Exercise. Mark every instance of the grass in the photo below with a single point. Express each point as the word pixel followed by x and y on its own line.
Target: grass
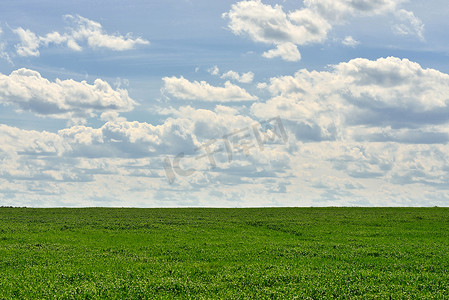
pixel 311 253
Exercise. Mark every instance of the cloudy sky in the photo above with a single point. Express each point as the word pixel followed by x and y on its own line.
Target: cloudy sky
pixel 224 103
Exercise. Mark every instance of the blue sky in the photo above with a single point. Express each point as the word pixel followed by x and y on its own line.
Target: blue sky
pixel 224 103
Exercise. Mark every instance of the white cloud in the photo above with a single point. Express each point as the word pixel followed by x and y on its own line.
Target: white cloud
pixel 214 71
pixel 287 51
pixel 184 131
pixel 130 139
pixel 262 85
pixel 3 53
pixel 122 160
pixel 311 24
pixel 64 99
pixel 396 83
pixel 391 82
pixel 350 41
pixel 82 30
pixel 243 78
pixel 110 116
pixel 120 154
pixel 92 32
pixel 388 93
pixel 30 142
pixel 361 132
pixel 208 124
pixel 411 25
pixel 181 88
pixel 53 37
pixel 271 25
pixel 29 42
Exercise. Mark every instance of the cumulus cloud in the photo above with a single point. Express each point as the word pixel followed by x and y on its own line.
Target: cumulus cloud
pixel 130 139
pixel 410 24
pixel 243 78
pixel 214 71
pixel 35 156
pixel 184 131
pixel 287 51
pixel 350 41
pixel 93 33
pixel 29 42
pixel 31 142
pixel 82 31
pixel 62 99
pixel 395 83
pixel 398 164
pixel 29 154
pixel 122 155
pixel 208 124
pixel 271 25
pixel 389 92
pixel 3 53
pixel 181 88
pixel 78 153
pixel 311 24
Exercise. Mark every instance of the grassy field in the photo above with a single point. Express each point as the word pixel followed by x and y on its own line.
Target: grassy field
pixel 309 253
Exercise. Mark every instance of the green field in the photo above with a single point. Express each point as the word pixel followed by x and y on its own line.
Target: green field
pixel 206 253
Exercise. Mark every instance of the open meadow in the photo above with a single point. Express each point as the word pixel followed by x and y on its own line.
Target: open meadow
pixel 208 253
